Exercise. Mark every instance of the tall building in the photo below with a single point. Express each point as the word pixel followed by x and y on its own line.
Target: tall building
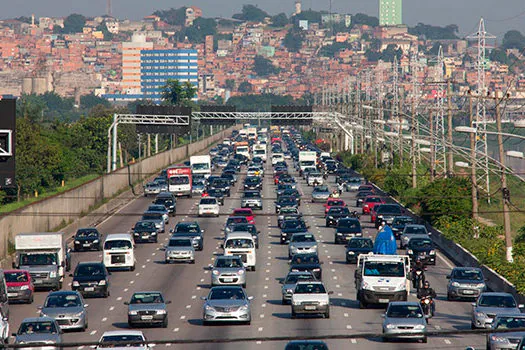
pixel 131 53
pixel 390 12
pixel 157 66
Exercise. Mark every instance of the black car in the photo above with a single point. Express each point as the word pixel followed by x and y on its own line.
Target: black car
pixel 346 229
pixel 399 223
pixel 91 279
pixel 243 160
pixel 356 246
pixel 222 184
pixel 289 227
pixel 306 345
pixel 422 248
pixel 192 230
pixel 281 188
pixel 387 213
pixel 360 197
pixel 87 239
pixel 228 176
pixel 335 214
pixel 307 262
pixel 217 193
pixel 292 192
pixel 145 231
pixel 168 200
pixel 253 183
pixel 285 202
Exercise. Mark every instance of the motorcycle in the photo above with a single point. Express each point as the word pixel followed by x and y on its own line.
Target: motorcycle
pixel 418 279
pixel 427 306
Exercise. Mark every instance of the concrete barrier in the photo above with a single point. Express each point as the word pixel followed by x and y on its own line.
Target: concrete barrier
pixel 74 206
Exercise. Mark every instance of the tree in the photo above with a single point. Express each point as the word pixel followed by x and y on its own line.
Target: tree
pixel 251 13
pixel 513 39
pixel 361 18
pixel 279 20
pixel 264 67
pixel 293 40
pixel 90 101
pixel 245 87
pixel 230 84
pixel 390 52
pixel 430 32
pixel 176 17
pixel 108 36
pixel 197 32
pixel 499 55
pixel 332 50
pixel 175 93
pixel 73 23
pixel 372 56
pixel 309 15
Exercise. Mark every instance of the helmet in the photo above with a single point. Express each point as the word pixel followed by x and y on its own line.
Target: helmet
pixel 426 284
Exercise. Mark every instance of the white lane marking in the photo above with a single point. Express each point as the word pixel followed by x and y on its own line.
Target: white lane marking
pixel 339 294
pixel 115 213
pixel 111 308
pixel 331 262
pixel 267 278
pixel 202 279
pixel 337 286
pixel 168 344
pixel 214 252
pixel 258 342
pixel 126 289
pixel 447 341
pixel 328 256
pixel 267 271
pixel 93 333
pixel 335 277
pixel 131 282
pixel 261 315
pixel 188 306
pixel 143 266
pixel 268 263
pixel 194 297
pixel 348 326
pixel 183 317
pixel 265 295
pixel 260 329
pixel 148 260
pixel 353 341
pixel 263 305
pixel 104 319
pixel 445 260
pixel 437 327
pixel 175 329
pixel 269 258
pixel 346 314
pixel 80 347
pixel 198 288
pixel 137 274
pixel 333 270
pixel 119 298
pixel 153 254
pixel 265 287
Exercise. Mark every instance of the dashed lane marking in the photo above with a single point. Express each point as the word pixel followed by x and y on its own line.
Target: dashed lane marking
pixel 348 326
pixel 119 298
pixel 260 329
pixel 194 297
pixel 188 306
pixel 263 305
pixel 447 341
pixel 183 317
pixel 93 333
pixel 111 308
pixel 137 274
pixel 175 329
pixel 202 279
pixel 353 341
pixel 261 315
pixel 131 282
pixel 104 319
pixel 265 295
pixel 346 314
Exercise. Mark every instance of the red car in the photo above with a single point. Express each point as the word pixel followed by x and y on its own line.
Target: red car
pixel 333 202
pixel 19 286
pixel 370 202
pixel 246 212
pixel 366 188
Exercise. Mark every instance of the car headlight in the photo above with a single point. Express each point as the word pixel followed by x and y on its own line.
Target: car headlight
pixel 455 284
pixel 76 284
pixel 102 283
pixel 380 216
pixel 410 252
pixel 79 314
pixel 390 326
pixel 132 312
pixel 77 242
pixel 316 270
pixel 295 270
pixel 52 274
pixel 498 339
pixel 154 233
pixel 240 272
pixel 367 286
pixel 480 314
pixel 314 247
pixel 95 241
pixel 296 302
pixel 432 252
pixel 351 253
pixel 339 234
pixel 289 290
pixel 243 308
pixel 323 302
pixel 293 248
pixel 330 217
pixel 215 272
pixel 209 308
pixel 24 287
pixel 419 326
pixel 161 312
pixel 480 285
pixel 401 286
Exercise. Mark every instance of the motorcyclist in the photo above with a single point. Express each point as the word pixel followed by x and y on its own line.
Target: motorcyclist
pixel 427 292
pixel 335 194
pixel 340 187
pixel 418 266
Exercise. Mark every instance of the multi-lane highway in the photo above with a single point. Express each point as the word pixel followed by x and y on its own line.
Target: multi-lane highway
pixel 185 284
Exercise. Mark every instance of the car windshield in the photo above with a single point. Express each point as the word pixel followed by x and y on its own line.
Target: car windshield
pixel 87 234
pixel 303 238
pixel 244 228
pixel 504 322
pixel 237 220
pixel 192 228
pixel 384 269
pixel 307 288
pixel 404 311
pixel 338 210
pixel 360 243
pixel 394 209
pixel 62 300
pixel 16 277
pixel 415 230
pixel 152 216
pixel 179 180
pixel 500 301
pixel 160 208
pixel 208 200
pixel 349 224
pixel 305 259
pixel 373 200
pixel 252 195
pixel 321 189
pixel 180 243
pixel 363 194
pixel 147 298
pixel 337 203
pixel 226 294
pixel 118 244
pixel 420 243
pixel 164 201
pixel 473 275
pixel 144 225
pixel 242 212
pixel 120 338
pixel 200 166
pixel 38 259
pixel 239 243
pixel 89 270
pixel 228 262
pixel 292 279
pixel 47 327
pixel 289 211
pixel 294 224
pixel 402 221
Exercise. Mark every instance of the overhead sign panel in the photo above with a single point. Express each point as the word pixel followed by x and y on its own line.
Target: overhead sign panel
pixel 7 141
pixel 163 110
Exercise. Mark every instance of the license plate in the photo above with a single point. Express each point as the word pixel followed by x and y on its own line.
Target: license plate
pixel 86 245
pixel 384 301
pixel 146 317
pixel 309 307
pixel 228 280
pixel 12 294
pixel 37 281
pixel 468 292
pixel 227 314
pixel 89 289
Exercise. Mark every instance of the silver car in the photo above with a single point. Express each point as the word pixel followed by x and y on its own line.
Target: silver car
pixel 151 189
pixel 310 298
pixel 409 231
pixel 252 199
pixel 38 331
pixel 67 308
pixel 490 304
pixel 320 194
pixel 156 218
pixel 465 282
pixel 314 177
pixel 507 340
pixel 227 304
pixel 404 320
pixel 302 243
pixel 160 209
pixel 179 249
pixel 228 270
pixel 147 308
pixel 289 282
pixel 124 336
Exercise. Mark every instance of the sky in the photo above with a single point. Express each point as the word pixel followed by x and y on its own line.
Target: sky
pixel 499 16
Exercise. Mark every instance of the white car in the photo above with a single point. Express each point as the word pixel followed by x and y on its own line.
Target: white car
pixel 4 330
pixel 122 336
pixel 208 206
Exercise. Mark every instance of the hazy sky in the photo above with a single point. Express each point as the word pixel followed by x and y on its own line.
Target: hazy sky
pixel 499 16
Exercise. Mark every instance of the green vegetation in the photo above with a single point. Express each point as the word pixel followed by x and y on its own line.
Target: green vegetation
pixel 430 32
pixel 361 18
pixel 513 39
pixel 197 32
pixel 245 87
pixel 251 13
pixel 335 48
pixel 293 40
pixel 386 55
pixel 175 93
pixel 309 15
pixel 279 20
pixel 264 67
pixel 262 102
pixel 173 16
pixel 73 23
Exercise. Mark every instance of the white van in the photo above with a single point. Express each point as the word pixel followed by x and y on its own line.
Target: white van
pixel 119 251
pixel 243 245
pixel 277 157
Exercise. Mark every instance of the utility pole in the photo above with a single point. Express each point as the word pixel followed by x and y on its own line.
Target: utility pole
pixel 504 190
pixel 415 94
pixel 473 167
pixel 395 109
pixel 450 161
pixel 432 147
pixel 440 157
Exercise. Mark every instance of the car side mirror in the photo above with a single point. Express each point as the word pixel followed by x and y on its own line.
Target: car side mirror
pixel 473 304
pixel 448 277
pixel 168 302
pixel 70 275
pixel 204 298
pixel 39 307
pixel 331 292
pixel 13 264
pixel 126 303
pixel 321 262
pixel 202 231
pixel 86 305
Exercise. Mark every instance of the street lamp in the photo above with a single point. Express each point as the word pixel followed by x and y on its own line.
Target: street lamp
pixel 515 154
pixel 462 164
pixel 467 129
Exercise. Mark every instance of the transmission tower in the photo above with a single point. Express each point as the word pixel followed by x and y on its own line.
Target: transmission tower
pixel 440 153
pixel 395 90
pixel 481 110
pixel 108 8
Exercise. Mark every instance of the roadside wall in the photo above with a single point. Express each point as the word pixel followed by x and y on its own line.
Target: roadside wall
pixel 75 206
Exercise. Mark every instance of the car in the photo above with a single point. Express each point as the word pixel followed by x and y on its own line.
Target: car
pixel 289 282
pixel 254 171
pixel 353 183
pixel 233 220
pixel 222 184
pixel 283 187
pixel 250 228
pixel 506 340
pixel 307 262
pixel 179 248
pixel 246 212
pixel 87 239
pixel 91 279
pixel 252 199
pixel 227 304
pixel 19 285
pixel 208 206
pixel 38 331
pixel 366 187
pixel 217 193
pixel 289 227
pixel 360 197
pixel 191 230
pixel 406 318
pixel 356 246
pixel 333 202
pixel 162 183
pixel 310 298
pixel 253 183
pixel 306 344
pixel 147 308
pixel 168 200
pixel 370 202
pixel 291 192
pixel 67 308
pixel 409 231
pixel 465 282
pixel 229 174
pixel 421 247
pixel 314 178
pixel 4 330
pixel 119 251
pixel 160 208
pixel 490 304
pixel 213 151
pixel 386 213
pixel 155 217
pixel 151 189
pixel 302 243
pixel 334 214
pixel 285 202
pixel 399 223
pixel 287 214
pixel 346 229
pixel 145 231
pixel 320 194
pixel 228 270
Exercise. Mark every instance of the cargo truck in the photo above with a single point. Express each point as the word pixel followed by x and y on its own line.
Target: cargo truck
pixel 46 257
pixel 180 180
pixel 260 151
pixel 242 148
pixel 201 165
pixel 307 159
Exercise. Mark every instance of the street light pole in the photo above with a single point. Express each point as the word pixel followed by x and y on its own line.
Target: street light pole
pixel 413 143
pixel 473 175
pixel 504 189
pixel 450 160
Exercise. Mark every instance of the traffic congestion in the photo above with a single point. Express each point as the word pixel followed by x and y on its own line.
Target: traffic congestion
pixel 265 236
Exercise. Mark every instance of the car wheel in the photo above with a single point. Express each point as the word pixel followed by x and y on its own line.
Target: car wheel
pixel 132 268
pixel 156 240
pixel 131 325
pixel 362 304
pixel 165 323
pixel 450 297
pixel 248 323
pixel 327 314
pixel 253 268
pixel 472 326
pixel 192 261
pixel 294 315
pixel 244 285
pixel 284 301
pixel 326 224
pixel 424 340
pixel 85 327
